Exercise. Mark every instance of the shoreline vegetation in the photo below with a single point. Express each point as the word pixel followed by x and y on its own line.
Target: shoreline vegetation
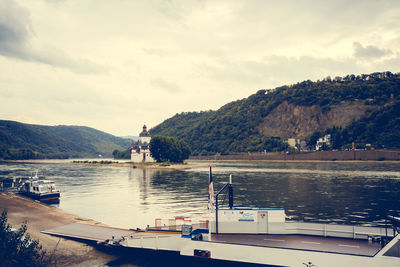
pixel 116 163
pixel 199 163
pixel 387 156
pixel 113 163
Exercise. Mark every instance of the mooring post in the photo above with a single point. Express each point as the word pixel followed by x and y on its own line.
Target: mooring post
pixel 230 192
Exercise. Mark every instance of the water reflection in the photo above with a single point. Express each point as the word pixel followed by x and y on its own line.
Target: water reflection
pixel 126 197
pixel 141 179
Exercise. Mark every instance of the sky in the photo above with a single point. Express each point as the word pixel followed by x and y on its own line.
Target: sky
pixel 115 65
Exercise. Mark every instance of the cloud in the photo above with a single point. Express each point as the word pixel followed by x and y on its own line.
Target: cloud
pixel 58 58
pixel 155 52
pixel 369 51
pixel 166 85
pixel 16 32
pixel 276 70
pixel 172 9
pixel 15 29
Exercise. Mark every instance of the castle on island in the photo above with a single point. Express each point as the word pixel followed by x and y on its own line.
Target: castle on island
pixel 140 150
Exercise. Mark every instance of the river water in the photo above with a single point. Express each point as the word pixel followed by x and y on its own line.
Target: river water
pixel 332 192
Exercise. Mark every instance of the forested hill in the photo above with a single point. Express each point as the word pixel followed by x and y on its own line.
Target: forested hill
pixel 361 109
pixel 27 141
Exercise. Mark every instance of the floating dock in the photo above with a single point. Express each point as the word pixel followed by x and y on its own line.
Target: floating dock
pixel 272 249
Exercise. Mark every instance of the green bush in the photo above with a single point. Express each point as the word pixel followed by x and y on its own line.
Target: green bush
pixel 17 248
pixel 164 148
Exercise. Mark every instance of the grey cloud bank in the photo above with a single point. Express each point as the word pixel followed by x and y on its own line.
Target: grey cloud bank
pixel 369 51
pixel 16 32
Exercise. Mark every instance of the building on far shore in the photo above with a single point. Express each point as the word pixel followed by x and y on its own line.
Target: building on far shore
pixel 292 142
pixel 325 140
pixel 140 150
pixel 298 144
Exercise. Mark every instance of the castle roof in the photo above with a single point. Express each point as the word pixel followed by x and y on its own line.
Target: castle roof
pixel 144 133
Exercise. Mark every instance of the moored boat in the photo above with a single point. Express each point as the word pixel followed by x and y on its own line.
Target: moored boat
pixel 40 189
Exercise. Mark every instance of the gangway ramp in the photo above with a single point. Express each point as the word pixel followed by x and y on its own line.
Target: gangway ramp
pixel 89 232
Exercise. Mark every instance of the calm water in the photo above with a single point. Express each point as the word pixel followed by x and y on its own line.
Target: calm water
pixel 361 193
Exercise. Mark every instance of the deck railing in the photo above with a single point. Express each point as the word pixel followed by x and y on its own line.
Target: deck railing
pixel 336 230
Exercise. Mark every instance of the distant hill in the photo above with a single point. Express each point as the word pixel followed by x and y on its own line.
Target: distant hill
pixel 361 109
pixel 131 137
pixel 28 141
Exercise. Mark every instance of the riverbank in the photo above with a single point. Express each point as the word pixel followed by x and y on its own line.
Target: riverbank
pixel 113 163
pixel 161 166
pixel 340 155
pixel 40 217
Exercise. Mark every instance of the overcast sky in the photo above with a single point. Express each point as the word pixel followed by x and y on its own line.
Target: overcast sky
pixel 117 64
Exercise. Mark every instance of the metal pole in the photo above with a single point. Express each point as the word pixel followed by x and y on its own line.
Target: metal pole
pixel 216 214
pixel 230 192
pixel 210 208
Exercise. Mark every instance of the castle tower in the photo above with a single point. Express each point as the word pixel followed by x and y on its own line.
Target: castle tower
pixel 140 151
pixel 145 136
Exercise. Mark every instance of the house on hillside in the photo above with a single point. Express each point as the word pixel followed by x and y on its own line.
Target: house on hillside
pixel 140 150
pixel 325 140
pixel 292 142
pixel 297 144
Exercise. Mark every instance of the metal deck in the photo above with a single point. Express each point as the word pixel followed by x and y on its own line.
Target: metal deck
pixel 302 242
pixel 89 232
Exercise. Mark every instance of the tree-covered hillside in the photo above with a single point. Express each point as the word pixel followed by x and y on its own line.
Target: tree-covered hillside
pixel 236 127
pixel 27 141
pixel 380 127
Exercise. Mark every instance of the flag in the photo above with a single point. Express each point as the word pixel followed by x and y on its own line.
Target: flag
pixel 211 201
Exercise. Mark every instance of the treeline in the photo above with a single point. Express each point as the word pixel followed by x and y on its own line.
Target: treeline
pixel 380 128
pixel 124 154
pixel 235 127
pixel 27 141
pixel 169 149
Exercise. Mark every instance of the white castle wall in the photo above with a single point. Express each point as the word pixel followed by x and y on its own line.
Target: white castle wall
pixel 145 139
pixel 138 156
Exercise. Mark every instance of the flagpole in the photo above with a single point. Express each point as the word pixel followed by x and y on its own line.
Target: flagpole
pixel 210 204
